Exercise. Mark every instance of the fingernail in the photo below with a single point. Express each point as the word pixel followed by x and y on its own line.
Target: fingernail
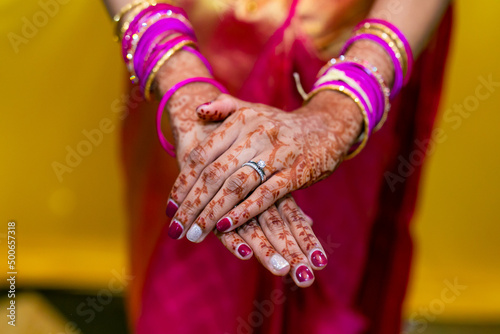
pixel 244 250
pixel 303 274
pixel 203 105
pixel 278 262
pixel 319 259
pixel 175 230
pixel 224 224
pixel 194 233
pixel 172 208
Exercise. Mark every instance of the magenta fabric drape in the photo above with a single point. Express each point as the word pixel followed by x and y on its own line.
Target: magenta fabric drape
pixel 360 215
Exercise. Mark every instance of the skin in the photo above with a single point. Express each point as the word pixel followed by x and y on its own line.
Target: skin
pixel 300 148
pixel 190 129
pixel 193 129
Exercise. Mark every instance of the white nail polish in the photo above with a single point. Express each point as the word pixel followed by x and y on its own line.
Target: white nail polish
pixel 194 233
pixel 278 262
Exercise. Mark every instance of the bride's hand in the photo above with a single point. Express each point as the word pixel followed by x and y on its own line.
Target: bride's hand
pixel 282 240
pixel 298 148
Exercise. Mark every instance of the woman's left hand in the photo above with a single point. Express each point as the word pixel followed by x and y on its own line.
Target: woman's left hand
pixel 282 240
pixel 298 148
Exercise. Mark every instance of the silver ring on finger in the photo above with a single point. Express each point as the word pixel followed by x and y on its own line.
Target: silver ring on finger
pixel 258 167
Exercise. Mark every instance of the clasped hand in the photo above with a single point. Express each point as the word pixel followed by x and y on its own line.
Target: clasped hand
pixel 214 191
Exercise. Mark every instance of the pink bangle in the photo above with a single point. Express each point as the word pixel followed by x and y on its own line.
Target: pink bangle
pixel 398 69
pixel 153 13
pixel 401 37
pixel 163 141
pixel 150 68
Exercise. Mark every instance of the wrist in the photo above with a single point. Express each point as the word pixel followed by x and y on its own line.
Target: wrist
pixel 181 66
pixel 333 107
pixel 183 102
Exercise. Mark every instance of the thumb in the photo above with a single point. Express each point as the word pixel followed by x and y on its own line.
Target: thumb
pixel 219 109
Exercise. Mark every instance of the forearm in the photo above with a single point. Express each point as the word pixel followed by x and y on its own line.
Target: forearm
pixel 114 6
pixel 182 65
pixel 416 19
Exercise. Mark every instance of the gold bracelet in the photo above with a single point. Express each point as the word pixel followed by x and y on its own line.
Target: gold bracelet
pixel 392 35
pixel 163 59
pixel 334 74
pixel 130 11
pixel 137 36
pixel 134 7
pixel 395 44
pixel 342 89
pixel 373 69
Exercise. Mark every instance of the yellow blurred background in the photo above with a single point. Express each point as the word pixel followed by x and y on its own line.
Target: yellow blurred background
pixel 62 81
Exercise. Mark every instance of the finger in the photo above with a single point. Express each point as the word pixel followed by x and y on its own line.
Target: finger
pixel 200 157
pixel 219 109
pixel 235 244
pixel 211 179
pixel 279 235
pixel 302 232
pixel 235 189
pixel 260 200
pixel 265 253
pixel 308 218
pixel 217 143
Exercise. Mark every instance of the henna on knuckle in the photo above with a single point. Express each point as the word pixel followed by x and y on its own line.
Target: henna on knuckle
pixel 188 210
pixel 308 237
pixel 202 223
pixel 296 257
pixel 197 156
pixel 293 215
pixel 211 212
pixel 235 185
pixel 274 224
pixel 212 174
pixel 267 194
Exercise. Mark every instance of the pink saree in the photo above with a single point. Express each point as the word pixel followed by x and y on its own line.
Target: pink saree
pixel 361 212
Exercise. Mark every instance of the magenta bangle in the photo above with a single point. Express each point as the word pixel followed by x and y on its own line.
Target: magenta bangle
pixel 159 27
pixel 153 10
pixel 147 68
pixel 145 43
pixel 143 17
pixel 371 116
pixel 350 73
pixel 398 70
pixel 369 86
pixel 402 37
pixel 163 141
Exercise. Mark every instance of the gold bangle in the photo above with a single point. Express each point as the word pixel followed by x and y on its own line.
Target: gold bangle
pixel 132 8
pixel 395 44
pixel 131 11
pixel 163 59
pixel 373 69
pixel 392 35
pixel 339 75
pixel 118 16
pixel 400 54
pixel 137 36
pixel 342 89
